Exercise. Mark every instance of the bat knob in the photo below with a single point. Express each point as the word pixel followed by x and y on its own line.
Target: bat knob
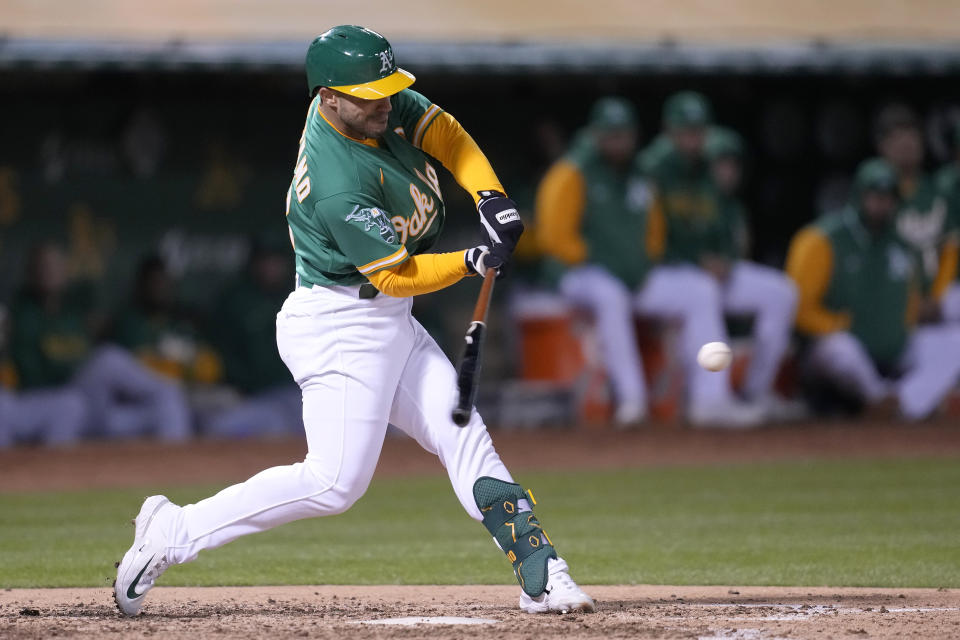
pixel 461 416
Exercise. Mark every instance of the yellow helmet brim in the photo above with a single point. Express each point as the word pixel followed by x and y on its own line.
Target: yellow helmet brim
pixel 382 88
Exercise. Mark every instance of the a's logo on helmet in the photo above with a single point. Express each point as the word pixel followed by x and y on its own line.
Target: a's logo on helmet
pixel 386 60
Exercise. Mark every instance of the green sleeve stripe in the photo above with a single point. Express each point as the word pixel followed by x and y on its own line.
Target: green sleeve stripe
pixel 432 112
pixel 392 260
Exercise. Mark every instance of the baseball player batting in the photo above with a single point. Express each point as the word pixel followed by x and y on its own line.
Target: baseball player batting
pixel 363 208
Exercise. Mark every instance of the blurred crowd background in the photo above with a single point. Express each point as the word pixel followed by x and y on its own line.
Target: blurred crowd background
pixel 145 155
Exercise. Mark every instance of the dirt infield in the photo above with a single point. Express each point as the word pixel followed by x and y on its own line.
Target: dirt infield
pixel 106 464
pixel 752 613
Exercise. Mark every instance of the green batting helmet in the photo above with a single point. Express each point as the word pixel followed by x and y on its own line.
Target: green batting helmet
pixel 723 142
pixel 686 109
pixel 875 174
pixel 357 61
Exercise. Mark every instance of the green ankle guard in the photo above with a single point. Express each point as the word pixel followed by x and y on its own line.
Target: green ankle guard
pixel 516 530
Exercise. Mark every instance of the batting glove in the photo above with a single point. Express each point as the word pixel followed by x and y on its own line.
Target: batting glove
pixel 479 259
pixel 501 222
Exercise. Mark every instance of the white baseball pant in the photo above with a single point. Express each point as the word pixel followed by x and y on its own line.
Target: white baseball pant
pixel 125 398
pixel 54 416
pixel 930 364
pixel 360 364
pixel 690 295
pixel 950 305
pixel 770 297
pixel 686 294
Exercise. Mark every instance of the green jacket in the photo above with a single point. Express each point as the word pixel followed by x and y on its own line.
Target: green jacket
pixel 616 206
pixel 923 223
pixel 947 182
pixel 874 279
pixel 697 221
pixel 246 337
pixel 47 346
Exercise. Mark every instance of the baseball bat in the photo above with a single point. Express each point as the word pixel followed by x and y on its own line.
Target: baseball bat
pixel 468 373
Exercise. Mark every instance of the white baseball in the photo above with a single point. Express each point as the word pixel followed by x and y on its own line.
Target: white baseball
pixel 715 356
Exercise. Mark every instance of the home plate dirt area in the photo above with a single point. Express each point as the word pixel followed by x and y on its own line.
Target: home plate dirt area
pixel 640 611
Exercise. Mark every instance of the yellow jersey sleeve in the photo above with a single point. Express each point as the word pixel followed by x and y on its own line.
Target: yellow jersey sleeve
pixel 444 139
pixel 656 230
pixel 561 198
pixel 947 270
pixel 423 273
pixel 809 264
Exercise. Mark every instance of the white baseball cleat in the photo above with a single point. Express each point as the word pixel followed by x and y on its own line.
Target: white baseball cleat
pixel 147 558
pixel 629 415
pixel 562 594
pixel 732 414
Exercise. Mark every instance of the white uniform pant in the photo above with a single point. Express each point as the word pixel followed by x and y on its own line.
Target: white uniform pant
pixel 770 297
pixel 950 306
pixel 277 410
pixel 54 416
pixel 125 398
pixel 360 364
pixel 930 365
pixel 691 296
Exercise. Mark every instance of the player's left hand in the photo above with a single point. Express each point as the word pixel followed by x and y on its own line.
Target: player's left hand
pixel 501 222
pixel 480 258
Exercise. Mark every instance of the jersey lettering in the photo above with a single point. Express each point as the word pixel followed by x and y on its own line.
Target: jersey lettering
pixel 424 207
pixel 431 179
pixel 301 181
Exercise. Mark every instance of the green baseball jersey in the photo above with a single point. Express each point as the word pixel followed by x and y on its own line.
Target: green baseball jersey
pixel 873 279
pixel 923 222
pixel 616 204
pixel 696 223
pixel 730 238
pixel 246 322
pixel 47 346
pixel 947 183
pixel 357 206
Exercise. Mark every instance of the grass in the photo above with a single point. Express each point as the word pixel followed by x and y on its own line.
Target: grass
pixel 884 524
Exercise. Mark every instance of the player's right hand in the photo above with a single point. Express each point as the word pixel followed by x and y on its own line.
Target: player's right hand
pixel 480 258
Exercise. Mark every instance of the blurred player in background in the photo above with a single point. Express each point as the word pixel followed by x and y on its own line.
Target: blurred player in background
pixel 948 185
pixel 860 287
pixel 54 416
pixel 159 333
pixel 596 216
pixel 245 322
pixel 706 240
pixel 363 208
pixel 52 345
pixel 923 221
pixel 762 292
pixel 592 222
